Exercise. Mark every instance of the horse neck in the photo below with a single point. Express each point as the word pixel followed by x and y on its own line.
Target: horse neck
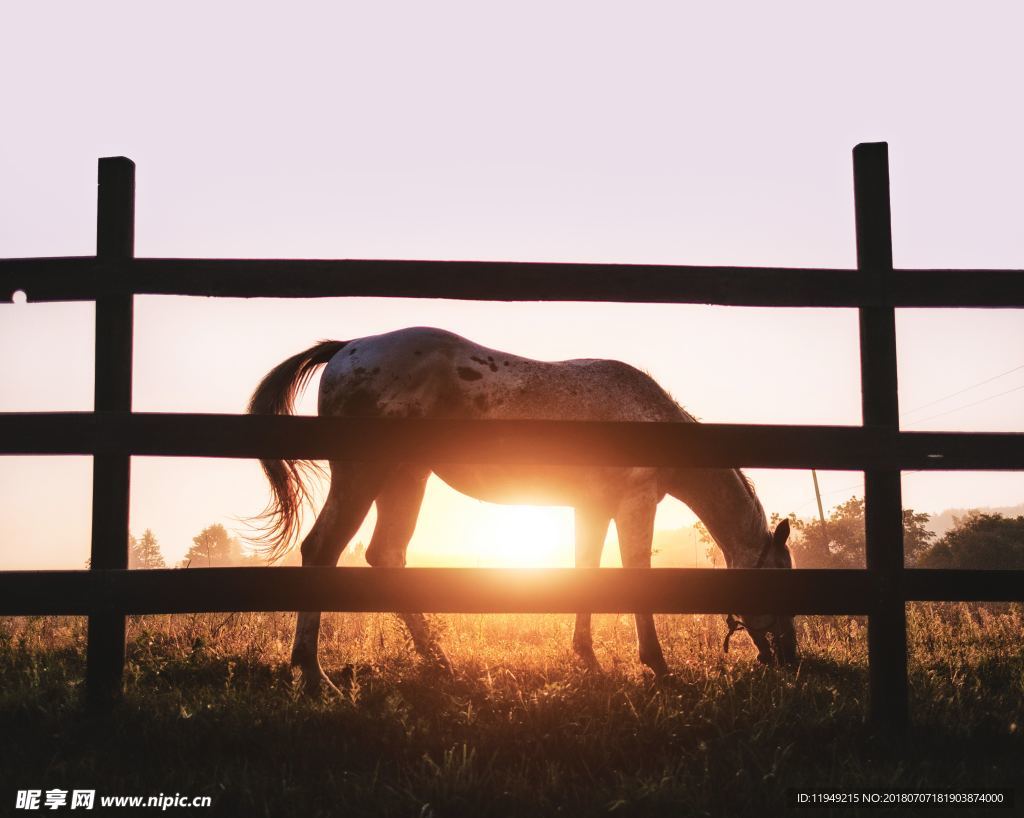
pixel 728 508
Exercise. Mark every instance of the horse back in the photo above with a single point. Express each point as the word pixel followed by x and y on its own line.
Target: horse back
pixel 427 372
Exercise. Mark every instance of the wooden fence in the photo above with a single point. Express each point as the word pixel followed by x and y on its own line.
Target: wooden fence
pixel 113 433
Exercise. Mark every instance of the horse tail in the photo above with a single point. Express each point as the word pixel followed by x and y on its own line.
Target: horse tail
pixel 278 525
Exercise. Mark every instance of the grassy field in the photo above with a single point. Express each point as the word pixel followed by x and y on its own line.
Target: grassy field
pixel 211 709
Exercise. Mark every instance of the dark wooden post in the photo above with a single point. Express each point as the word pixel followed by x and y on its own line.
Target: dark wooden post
pixel 883 505
pixel 115 244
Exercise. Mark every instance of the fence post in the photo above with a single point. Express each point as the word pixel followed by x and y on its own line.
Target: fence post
pixel 883 506
pixel 115 243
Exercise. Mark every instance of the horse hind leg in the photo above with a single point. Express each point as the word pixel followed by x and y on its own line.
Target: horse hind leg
pixel 348 501
pixel 398 507
pixel 634 521
pixel 591 530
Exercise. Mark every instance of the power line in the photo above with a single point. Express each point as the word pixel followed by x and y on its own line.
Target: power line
pixel 961 391
pixel 819 494
pixel 968 405
pixel 859 485
pixel 905 473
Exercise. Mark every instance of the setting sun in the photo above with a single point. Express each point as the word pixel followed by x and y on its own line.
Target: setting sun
pixel 457 531
pixel 738 288
pixel 528 537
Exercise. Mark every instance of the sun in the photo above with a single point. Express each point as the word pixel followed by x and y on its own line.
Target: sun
pixel 528 537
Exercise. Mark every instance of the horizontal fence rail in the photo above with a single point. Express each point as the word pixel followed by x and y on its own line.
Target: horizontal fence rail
pixel 437 590
pixel 113 434
pixel 82 278
pixel 481 590
pixel 577 443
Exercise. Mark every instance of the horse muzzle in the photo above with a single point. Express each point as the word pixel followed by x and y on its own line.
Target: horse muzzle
pixel 776 644
pixel 786 650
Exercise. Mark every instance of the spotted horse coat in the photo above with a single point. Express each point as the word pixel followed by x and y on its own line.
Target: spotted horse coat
pixel 423 372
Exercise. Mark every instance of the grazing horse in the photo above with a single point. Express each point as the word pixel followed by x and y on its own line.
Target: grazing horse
pixel 431 373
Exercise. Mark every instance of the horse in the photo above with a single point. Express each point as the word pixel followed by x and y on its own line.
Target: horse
pixel 424 372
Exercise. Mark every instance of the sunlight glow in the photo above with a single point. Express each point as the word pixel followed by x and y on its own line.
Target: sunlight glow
pixel 528 537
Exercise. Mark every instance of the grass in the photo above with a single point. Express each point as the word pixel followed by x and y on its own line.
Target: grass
pixel 211 709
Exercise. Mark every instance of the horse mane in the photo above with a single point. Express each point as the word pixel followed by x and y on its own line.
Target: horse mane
pixel 748 484
pixel 689 417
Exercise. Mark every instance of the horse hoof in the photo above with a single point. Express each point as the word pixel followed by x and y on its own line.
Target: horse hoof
pixel 659 669
pixel 443 664
pixel 588 661
pixel 668 681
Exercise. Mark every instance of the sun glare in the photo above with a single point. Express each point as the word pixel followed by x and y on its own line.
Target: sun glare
pixel 529 537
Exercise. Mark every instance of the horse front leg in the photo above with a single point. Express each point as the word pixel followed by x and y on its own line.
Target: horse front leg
pixel 398 507
pixel 346 507
pixel 591 530
pixel 634 521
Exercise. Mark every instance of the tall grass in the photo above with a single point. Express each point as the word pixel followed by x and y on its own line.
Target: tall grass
pixel 211 708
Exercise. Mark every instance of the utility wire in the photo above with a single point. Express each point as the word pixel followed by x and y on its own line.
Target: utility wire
pixel 819 494
pixel 967 405
pixel 961 391
pixel 904 472
pixel 830 493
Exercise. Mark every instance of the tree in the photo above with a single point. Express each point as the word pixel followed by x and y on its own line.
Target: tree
pixel 979 540
pixel 354 556
pixel 144 552
pixel 841 543
pixel 712 553
pixel 213 547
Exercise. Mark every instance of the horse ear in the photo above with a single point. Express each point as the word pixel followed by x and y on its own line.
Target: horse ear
pixel 781 533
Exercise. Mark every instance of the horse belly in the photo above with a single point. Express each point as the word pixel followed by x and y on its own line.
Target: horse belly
pixel 518 485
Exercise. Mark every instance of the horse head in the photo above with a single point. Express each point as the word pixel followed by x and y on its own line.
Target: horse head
pixel 773 634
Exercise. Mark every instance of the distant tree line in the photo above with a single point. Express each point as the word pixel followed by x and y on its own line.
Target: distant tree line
pixel 979 540
pixel 213 547
pixel 144 551
pixel 976 540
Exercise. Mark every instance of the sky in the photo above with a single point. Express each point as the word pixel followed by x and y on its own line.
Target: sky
pixel 645 132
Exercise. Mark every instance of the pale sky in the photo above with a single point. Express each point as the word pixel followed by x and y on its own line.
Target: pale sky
pixel 641 132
